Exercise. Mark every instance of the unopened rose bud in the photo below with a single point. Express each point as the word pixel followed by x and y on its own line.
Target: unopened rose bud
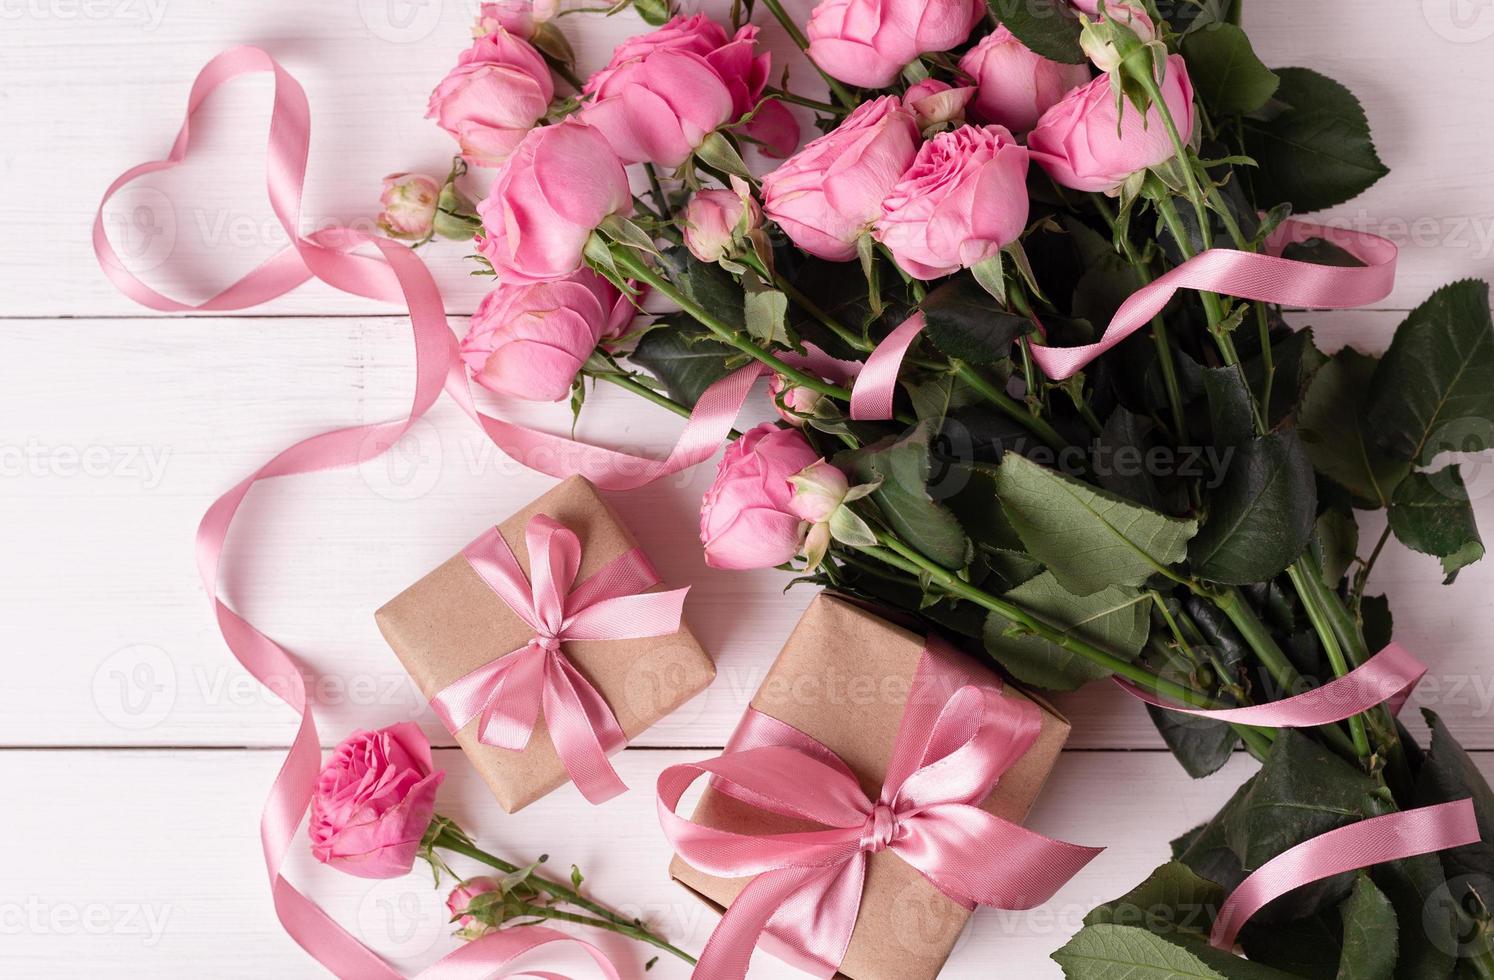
pixel 1107 46
pixel 821 492
pixel 460 899
pixel 409 202
pixel 935 103
pixel 818 490
pixel 717 221
pixel 792 403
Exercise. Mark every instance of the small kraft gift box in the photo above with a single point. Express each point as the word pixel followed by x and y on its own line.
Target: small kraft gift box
pixel 842 683
pixel 542 665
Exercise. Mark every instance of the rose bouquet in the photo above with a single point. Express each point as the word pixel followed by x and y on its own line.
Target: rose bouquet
pixel 1021 305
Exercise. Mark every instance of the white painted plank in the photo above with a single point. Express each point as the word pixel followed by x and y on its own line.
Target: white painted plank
pixel 112 637
pixel 370 65
pixel 179 848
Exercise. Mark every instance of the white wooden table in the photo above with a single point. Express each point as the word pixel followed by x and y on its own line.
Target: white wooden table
pixel 134 752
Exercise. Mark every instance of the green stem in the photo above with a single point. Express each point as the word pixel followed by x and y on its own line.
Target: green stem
pixel 629 383
pixel 1035 424
pixel 636 932
pixel 842 94
pixel 657 190
pixel 783 95
pixel 1308 588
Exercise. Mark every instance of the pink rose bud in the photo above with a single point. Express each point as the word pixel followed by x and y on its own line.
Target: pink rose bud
pixel 374 800
pixel 530 341
pixel 935 103
pixel 868 42
pixel 745 519
pixel 499 89
pixel 1098 38
pixel 670 103
pixel 1080 145
pixel 468 927
pixel 827 195
pixel 818 490
pixel 791 402
pixel 518 17
pixel 1015 86
pixel 716 221
pixel 409 205
pixel 962 201
pixel 560 184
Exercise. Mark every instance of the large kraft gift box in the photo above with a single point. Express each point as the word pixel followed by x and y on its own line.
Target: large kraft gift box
pixel 843 677
pixel 450 623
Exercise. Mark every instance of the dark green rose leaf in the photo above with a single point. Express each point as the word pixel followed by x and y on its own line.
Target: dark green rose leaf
pixel 1113 619
pixel 707 284
pixel 1048 27
pixel 964 321
pixel 1434 389
pixel 1201 746
pixel 1430 513
pixel 1312 144
pixel 1335 542
pixel 1449 773
pixel 902 465
pixel 1230 417
pixel 685 365
pixel 1173 899
pixel 1335 430
pixel 1113 952
pixel 1226 72
pixel 1369 951
pixel 1261 517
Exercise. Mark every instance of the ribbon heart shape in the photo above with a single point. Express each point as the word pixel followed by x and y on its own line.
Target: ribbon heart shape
pixel 803 903
pixel 509 693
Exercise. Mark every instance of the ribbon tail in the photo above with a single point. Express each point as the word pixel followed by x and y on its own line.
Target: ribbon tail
pixel 728 952
pixel 871 397
pixel 583 729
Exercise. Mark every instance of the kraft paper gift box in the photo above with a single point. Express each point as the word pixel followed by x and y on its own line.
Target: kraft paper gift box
pixel 843 678
pixel 450 623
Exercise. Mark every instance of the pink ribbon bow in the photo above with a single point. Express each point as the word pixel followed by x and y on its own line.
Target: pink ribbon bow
pixel 509 693
pixel 803 903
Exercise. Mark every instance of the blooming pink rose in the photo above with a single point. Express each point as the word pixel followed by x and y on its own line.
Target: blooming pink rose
pixel 671 101
pixel 791 401
pixel 962 201
pixel 745 520
pixel 697 34
pixel 461 896
pixel 867 42
pixel 374 799
pixel 499 89
pixel 1080 145
pixel 518 17
pixel 716 220
pixel 828 194
pixel 1015 86
pixel 934 103
pixel 531 340
pixel 558 186
pixel 409 202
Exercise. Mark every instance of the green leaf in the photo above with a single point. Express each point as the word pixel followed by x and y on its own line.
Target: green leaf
pixel 709 285
pixel 1449 773
pixel 1430 513
pixel 1112 952
pixel 1048 27
pixel 765 310
pixel 1336 543
pixel 1225 70
pixel 1090 539
pixel 1335 430
pixel 1201 746
pixel 1435 386
pixel 965 323
pixel 1173 899
pixel 654 12
pixel 1230 418
pixel 1120 463
pixel 1315 151
pixel 902 465
pixel 1261 517
pixel 1370 947
pixel 1113 619
pixel 686 365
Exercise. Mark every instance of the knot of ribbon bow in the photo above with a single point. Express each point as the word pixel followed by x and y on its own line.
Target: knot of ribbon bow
pixel 802 904
pixel 508 694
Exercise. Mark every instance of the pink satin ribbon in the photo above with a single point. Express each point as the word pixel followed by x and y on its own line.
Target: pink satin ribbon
pixel 803 903
pixel 1391 837
pixel 509 693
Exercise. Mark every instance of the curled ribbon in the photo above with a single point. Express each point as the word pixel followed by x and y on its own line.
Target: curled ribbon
pixel 509 693
pixel 803 903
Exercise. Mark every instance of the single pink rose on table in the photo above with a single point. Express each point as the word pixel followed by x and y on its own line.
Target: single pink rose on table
pixel 518 17
pixel 409 202
pixel 936 103
pixel 962 201
pixel 1081 145
pixel 716 221
pixel 745 519
pixel 531 340
pixel 827 195
pixel 468 926
pixel 560 184
pixel 374 800
pixel 868 42
pixel 1015 85
pixel 499 89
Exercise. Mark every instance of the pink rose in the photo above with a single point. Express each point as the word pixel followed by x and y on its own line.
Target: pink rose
pixel 469 927
pixel 1080 145
pixel 1098 42
pixel 670 102
pixel 745 520
pixel 1015 86
pixel 828 194
pixel 791 402
pixel 867 42
pixel 935 103
pixel 499 89
pixel 697 34
pixel 374 800
pixel 962 201
pixel 560 184
pixel 518 17
pixel 717 220
pixel 531 340
pixel 409 202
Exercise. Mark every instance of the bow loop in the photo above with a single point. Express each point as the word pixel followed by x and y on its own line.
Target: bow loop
pixel 978 735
